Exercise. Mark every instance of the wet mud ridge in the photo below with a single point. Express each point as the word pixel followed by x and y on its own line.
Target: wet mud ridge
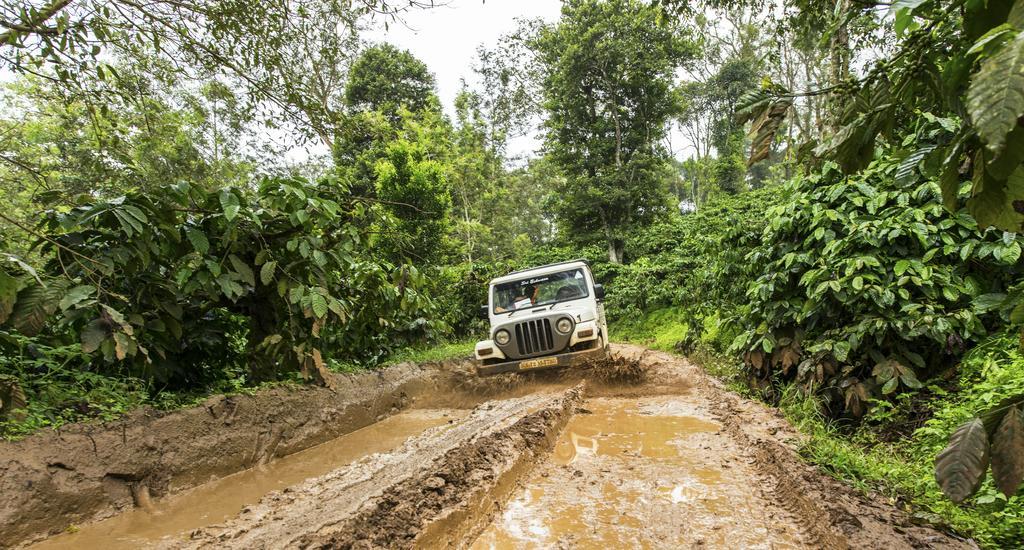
pixel 54 481
pixel 644 451
pixel 427 492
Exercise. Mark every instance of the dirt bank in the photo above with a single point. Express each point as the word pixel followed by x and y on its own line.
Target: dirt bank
pixel 83 472
pixel 435 490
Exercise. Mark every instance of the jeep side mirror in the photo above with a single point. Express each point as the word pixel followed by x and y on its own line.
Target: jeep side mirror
pixel 484 313
pixel 599 292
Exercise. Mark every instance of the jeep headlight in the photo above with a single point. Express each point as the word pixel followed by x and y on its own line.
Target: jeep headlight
pixel 502 337
pixel 564 325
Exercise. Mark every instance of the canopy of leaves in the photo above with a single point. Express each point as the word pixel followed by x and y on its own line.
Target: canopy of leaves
pixel 956 58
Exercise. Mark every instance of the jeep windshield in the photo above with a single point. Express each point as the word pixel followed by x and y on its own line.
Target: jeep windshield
pixel 540 290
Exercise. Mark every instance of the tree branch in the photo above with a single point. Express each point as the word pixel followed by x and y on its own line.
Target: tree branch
pixel 33 25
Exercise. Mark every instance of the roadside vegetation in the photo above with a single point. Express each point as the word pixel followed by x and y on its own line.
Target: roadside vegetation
pixel 838 233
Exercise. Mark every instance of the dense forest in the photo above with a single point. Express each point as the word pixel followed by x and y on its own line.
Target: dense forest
pixel 819 200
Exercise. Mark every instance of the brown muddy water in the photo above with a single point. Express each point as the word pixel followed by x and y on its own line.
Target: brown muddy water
pixel 221 499
pixel 636 473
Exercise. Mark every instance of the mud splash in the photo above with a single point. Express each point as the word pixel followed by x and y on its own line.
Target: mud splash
pixel 615 375
pixel 221 499
pixel 637 474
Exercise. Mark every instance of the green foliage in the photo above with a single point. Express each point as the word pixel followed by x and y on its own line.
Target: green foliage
pixel 993 391
pixel 956 58
pixel 154 278
pixel 398 153
pixel 990 374
pixel 58 386
pixel 442 351
pixel 288 57
pixel 415 189
pixel 498 213
pixel 661 329
pixel 898 470
pixel 869 285
pixel 693 260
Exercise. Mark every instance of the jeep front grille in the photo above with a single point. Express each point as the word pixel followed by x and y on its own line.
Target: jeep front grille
pixel 534 337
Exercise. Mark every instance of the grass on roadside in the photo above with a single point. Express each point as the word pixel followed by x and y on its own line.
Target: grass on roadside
pixel 434 352
pixel 660 330
pixel 901 472
pixel 71 393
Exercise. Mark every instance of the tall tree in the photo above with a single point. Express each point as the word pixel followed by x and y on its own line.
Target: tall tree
pixel 393 146
pixel 608 70
pixel 385 78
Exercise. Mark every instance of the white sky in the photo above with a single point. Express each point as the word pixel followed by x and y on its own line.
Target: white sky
pixel 446 39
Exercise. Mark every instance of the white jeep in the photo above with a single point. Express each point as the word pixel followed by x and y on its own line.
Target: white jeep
pixel 545 317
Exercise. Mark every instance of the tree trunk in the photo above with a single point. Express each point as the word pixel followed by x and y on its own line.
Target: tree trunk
pixel 616 251
pixel 616 246
pixel 839 62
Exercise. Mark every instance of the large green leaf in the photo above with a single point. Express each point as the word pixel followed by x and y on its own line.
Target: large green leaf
pixel 35 305
pixel 995 98
pixel 76 295
pixel 1008 452
pixel 961 466
pixel 267 272
pixel 1016 16
pixel 243 270
pixel 319 305
pixel 997 203
pixel 93 335
pixel 1001 166
pixel 906 172
pixel 229 202
pixel 8 295
pixel 198 240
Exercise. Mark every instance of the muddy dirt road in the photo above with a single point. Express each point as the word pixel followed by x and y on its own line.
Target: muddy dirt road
pixel 644 452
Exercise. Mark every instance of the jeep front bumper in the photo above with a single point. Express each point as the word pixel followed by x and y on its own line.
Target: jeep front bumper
pixel 568 359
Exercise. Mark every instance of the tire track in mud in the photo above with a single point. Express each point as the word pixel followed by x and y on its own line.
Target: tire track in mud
pixel 694 468
pixel 830 514
pixel 645 466
pixel 432 491
pixel 833 514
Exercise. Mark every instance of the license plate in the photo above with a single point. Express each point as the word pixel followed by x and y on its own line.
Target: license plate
pixel 538 363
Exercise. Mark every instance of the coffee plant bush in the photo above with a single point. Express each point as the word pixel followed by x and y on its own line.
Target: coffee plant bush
pixel 170 285
pixel 694 261
pixel 869 285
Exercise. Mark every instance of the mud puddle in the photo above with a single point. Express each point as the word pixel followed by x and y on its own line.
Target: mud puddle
pixel 225 497
pixel 650 472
